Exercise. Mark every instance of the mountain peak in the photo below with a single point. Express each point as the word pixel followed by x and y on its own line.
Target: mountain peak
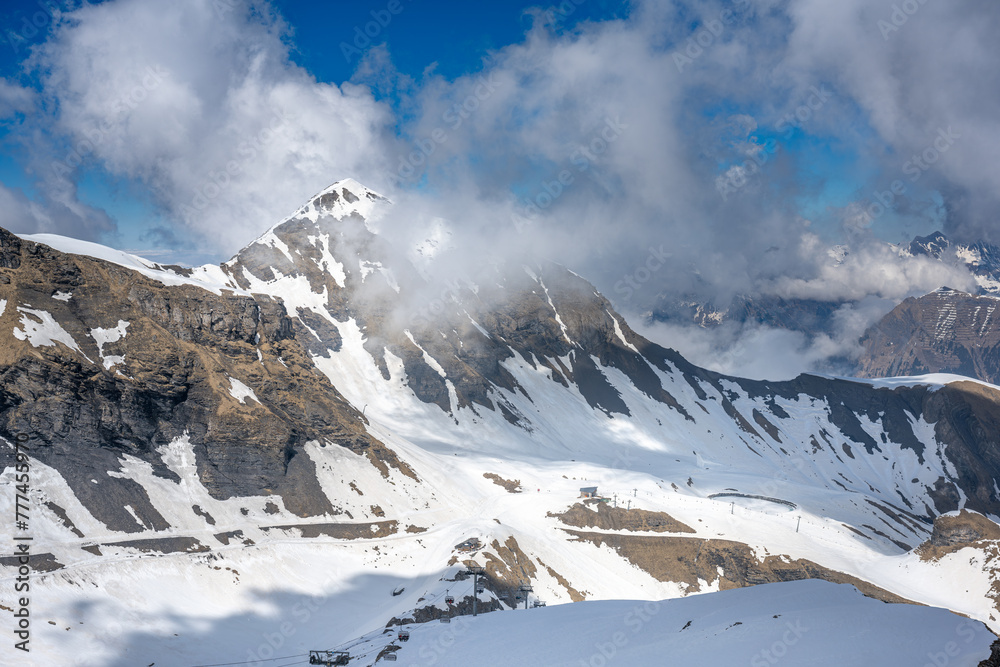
pixel 933 245
pixel 340 199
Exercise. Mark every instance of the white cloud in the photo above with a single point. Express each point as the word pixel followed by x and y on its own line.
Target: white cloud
pixel 205 109
pixel 873 270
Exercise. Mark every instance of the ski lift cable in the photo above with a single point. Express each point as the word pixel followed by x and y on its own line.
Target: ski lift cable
pixel 254 662
pixel 294 662
pixel 351 643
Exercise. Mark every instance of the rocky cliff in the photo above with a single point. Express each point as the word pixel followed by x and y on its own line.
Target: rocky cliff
pixel 946 331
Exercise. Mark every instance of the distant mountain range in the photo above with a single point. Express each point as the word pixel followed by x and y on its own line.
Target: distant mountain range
pixel 946 331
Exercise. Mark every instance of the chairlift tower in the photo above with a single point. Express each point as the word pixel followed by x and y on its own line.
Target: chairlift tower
pixel 475 571
pixel 524 589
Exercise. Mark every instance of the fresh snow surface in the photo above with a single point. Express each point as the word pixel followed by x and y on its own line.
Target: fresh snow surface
pixel 3 306
pixel 240 391
pixel 43 330
pixel 62 296
pixel 209 276
pixel 807 622
pixel 104 336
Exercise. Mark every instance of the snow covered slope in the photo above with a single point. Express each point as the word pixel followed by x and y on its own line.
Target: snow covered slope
pixel 203 455
pixel 797 623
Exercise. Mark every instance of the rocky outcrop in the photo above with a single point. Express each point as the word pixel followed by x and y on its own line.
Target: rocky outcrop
pixel 953 532
pixel 600 515
pixel 691 561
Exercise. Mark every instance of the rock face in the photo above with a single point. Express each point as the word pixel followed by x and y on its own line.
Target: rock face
pixel 962 529
pixel 104 362
pixel 945 331
pixel 102 366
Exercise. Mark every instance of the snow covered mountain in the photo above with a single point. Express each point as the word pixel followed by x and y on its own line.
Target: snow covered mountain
pixel 316 423
pixel 982 259
pixel 922 346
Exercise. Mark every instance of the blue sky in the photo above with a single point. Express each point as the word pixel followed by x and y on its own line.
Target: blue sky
pixel 121 118
pixel 450 38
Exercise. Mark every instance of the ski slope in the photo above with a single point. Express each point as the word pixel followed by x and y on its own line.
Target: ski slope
pixel 812 623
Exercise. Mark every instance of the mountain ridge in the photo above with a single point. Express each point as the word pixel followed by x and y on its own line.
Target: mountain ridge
pixel 297 396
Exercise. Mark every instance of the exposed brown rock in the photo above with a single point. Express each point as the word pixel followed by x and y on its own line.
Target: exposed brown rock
pixel 954 532
pixel 182 345
pixel 687 559
pixel 512 486
pixel 341 531
pixel 601 515
pixel 945 331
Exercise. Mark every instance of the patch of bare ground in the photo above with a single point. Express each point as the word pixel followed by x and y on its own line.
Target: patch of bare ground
pixel 687 560
pixel 341 531
pixel 512 486
pixel 508 567
pixel 618 518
